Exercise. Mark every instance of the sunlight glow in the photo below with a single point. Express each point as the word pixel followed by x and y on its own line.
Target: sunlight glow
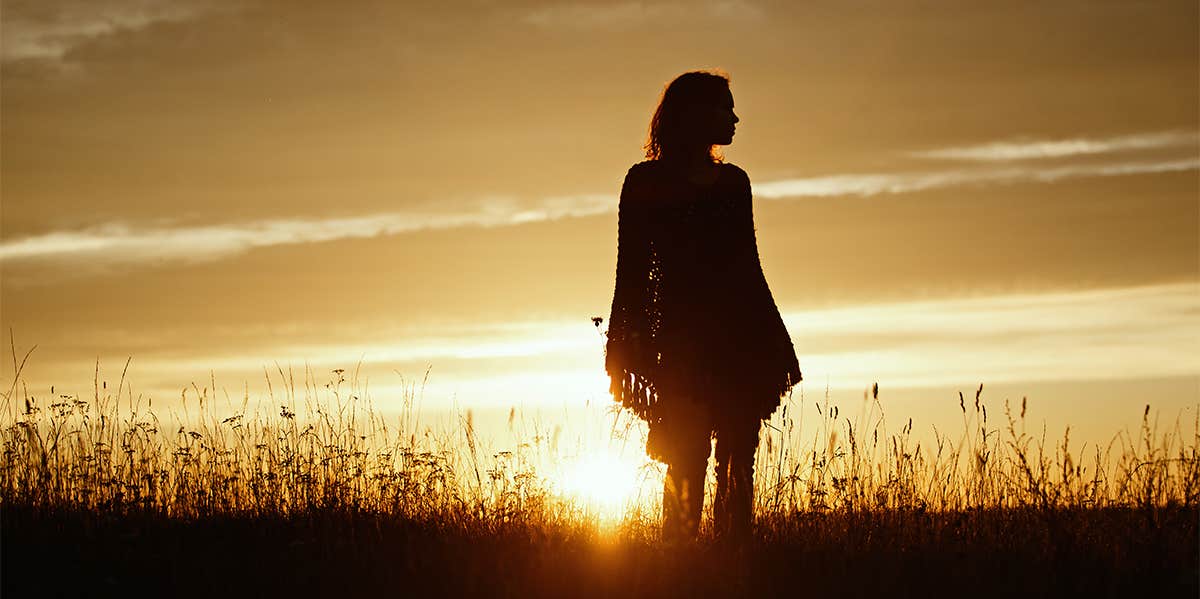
pixel 1150 331
pixel 607 484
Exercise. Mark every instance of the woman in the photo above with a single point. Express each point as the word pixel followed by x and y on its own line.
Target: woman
pixel 696 346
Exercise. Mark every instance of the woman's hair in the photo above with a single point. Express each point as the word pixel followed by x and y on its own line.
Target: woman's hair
pixel 670 131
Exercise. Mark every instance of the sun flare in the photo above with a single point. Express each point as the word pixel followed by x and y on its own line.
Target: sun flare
pixel 608 484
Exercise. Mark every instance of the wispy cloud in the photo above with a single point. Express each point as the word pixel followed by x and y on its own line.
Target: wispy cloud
pixel 1004 151
pixel 1097 335
pixel 1100 334
pixel 441 344
pixel 130 244
pixel 869 184
pixel 626 14
pixel 48 30
pixel 127 243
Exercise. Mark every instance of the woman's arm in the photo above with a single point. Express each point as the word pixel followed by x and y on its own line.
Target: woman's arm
pixel 628 346
pixel 746 241
pixel 764 313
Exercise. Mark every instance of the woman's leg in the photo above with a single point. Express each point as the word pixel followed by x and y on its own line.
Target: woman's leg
pixel 683 498
pixel 733 503
pixel 688 442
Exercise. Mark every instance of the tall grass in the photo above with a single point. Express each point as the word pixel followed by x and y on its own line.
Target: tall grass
pixel 327 447
pixel 312 490
pixel 856 464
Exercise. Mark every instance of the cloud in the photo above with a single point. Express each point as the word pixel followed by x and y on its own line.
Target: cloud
pixel 126 243
pixel 130 244
pixel 627 14
pixel 870 184
pixel 1100 334
pixel 438 343
pixel 41 30
pixel 1037 149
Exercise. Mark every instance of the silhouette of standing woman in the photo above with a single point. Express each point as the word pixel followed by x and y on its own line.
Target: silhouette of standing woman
pixel 695 345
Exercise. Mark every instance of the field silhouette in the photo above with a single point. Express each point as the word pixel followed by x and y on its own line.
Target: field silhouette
pixel 313 491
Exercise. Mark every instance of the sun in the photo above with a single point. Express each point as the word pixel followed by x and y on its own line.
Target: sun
pixel 606 483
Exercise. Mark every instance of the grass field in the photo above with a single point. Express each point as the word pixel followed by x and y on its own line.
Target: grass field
pixel 313 491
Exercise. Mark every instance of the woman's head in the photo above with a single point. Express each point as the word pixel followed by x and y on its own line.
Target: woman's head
pixel 695 115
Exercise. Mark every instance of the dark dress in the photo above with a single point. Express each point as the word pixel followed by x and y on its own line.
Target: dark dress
pixel 693 322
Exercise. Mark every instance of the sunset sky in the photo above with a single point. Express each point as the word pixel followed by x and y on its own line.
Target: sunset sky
pixel 946 193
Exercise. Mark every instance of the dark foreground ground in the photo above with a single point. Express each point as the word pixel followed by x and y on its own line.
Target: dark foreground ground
pixel 1060 553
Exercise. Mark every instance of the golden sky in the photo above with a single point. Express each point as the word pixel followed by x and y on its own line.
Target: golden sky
pixel 946 193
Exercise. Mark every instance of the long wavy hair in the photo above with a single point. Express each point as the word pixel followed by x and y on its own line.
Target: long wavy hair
pixel 671 132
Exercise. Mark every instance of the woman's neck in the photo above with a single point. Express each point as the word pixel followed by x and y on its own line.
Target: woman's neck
pixel 695 168
pixel 691 161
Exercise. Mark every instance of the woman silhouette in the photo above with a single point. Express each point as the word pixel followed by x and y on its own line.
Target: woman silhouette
pixel 696 346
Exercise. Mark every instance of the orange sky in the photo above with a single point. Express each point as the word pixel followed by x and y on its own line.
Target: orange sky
pixel 946 193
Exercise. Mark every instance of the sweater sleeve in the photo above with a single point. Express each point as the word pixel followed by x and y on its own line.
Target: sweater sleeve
pixel 628 348
pixel 781 355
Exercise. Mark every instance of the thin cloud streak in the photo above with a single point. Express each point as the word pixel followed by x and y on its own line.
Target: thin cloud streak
pixel 486 341
pixel 49 34
pixel 870 184
pixel 636 14
pixel 1104 334
pixel 1042 149
pixel 124 244
pixel 1109 334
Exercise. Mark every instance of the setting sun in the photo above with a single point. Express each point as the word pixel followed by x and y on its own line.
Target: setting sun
pixel 608 483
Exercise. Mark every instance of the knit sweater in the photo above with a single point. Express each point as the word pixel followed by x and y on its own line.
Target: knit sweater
pixel 692 318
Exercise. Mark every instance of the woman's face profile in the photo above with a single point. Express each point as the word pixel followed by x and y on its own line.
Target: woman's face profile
pixel 720 120
pixel 712 123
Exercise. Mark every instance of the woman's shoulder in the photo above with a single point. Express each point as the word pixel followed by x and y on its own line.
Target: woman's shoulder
pixel 736 170
pixel 643 168
pixel 653 179
pixel 651 167
pixel 639 179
